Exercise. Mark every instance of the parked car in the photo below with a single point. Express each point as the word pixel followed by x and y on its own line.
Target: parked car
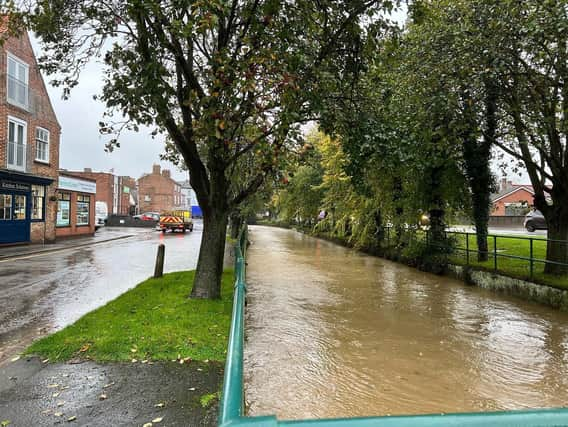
pixel 534 220
pixel 147 216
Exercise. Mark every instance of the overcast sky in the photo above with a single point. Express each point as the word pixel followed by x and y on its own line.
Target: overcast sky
pixel 81 144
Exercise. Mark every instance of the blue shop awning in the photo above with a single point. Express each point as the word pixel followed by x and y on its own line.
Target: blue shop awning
pixel 24 177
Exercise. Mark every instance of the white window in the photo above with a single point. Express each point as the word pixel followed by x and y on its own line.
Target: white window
pixel 42 145
pixel 18 76
pixel 83 203
pixel 16 144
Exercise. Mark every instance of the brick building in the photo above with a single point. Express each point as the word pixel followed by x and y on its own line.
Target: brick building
pixel 512 199
pixel 29 147
pixel 75 206
pixel 117 192
pixel 157 191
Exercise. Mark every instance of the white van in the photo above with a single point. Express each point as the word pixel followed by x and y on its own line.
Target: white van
pixel 101 214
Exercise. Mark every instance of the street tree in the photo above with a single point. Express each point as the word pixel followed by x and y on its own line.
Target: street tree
pixel 228 81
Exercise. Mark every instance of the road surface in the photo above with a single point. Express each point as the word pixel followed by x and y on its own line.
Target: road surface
pixel 44 292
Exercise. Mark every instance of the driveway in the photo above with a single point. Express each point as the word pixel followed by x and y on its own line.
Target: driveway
pixel 46 291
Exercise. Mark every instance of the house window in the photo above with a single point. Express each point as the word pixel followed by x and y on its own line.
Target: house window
pixel 83 209
pixel 16 144
pixel 42 145
pixel 63 209
pixel 18 74
pixel 5 207
pixel 147 198
pixel 38 201
pixel 19 207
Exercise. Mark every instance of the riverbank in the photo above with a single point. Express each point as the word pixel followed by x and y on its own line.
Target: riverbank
pixel 149 354
pixel 551 291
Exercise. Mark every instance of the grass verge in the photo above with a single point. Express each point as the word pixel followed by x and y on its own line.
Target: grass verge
pixel 153 321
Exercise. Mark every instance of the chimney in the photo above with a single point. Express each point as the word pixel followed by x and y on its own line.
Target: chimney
pixel 166 173
pixel 156 170
pixel 89 170
pixel 504 184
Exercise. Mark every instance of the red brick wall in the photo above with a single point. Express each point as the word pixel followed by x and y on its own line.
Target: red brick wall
pixel 521 195
pixel 73 230
pixel 161 190
pixel 39 114
pixel 124 202
pixel 105 185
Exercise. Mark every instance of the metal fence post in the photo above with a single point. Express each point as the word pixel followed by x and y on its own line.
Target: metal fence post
pixel 495 253
pixel 531 257
pixel 467 248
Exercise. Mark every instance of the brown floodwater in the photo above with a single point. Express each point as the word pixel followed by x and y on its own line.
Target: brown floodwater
pixel 331 332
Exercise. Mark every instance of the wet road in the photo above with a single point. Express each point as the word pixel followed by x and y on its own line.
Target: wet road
pixel 42 293
pixel 335 333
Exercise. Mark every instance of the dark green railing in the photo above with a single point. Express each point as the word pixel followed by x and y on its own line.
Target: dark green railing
pixel 232 411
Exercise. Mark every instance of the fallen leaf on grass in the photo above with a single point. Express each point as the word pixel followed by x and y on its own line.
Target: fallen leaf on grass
pixel 5 423
pixel 46 412
pixel 134 360
pixel 192 389
pixel 55 394
pixel 73 418
pixel 45 361
pixel 147 425
pixel 53 386
pixel 108 385
pixel 58 414
pixel 61 403
pixel 14 359
pixel 159 405
pixel 133 350
pixel 85 348
pixel 157 420
pixel 102 396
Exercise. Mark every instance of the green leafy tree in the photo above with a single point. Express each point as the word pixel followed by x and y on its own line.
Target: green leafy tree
pixel 228 81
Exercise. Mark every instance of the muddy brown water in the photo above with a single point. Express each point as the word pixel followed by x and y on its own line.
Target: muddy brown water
pixel 331 332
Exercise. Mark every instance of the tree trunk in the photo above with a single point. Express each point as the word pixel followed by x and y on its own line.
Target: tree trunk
pixel 557 251
pixel 207 282
pixel 236 222
pixel 379 228
pixel 477 155
pixel 436 212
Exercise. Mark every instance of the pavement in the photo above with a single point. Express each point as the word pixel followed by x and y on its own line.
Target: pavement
pixel 45 288
pixel 33 393
pixel 101 236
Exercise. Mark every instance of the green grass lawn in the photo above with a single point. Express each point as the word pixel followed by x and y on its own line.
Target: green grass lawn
pixel 154 321
pixel 507 246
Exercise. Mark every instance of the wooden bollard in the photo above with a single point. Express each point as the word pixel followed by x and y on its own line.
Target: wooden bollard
pixel 159 269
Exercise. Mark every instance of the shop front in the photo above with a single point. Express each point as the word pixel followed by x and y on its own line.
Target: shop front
pixel 75 206
pixel 22 205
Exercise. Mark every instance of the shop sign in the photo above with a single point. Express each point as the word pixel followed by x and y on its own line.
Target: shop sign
pixel 10 185
pixel 75 184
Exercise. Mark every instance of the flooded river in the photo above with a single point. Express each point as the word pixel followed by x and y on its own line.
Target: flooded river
pixel 332 332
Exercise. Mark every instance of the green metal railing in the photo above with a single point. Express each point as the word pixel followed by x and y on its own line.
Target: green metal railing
pixel 232 411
